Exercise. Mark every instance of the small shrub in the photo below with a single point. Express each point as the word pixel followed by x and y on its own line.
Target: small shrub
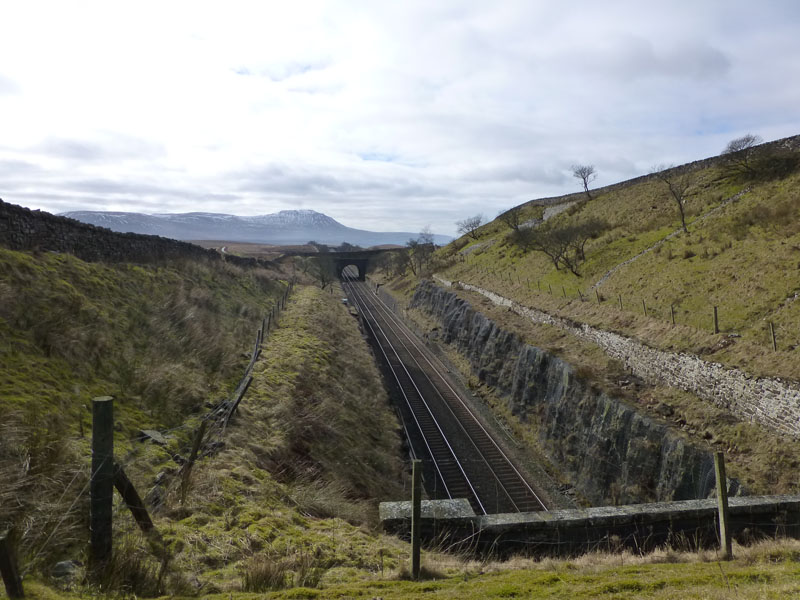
pixel 262 574
pixel 133 570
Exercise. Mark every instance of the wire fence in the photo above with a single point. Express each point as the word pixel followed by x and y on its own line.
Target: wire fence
pixel 770 401
pixel 71 503
pixel 641 528
pixel 713 319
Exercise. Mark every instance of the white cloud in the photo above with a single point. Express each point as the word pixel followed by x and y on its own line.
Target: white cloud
pixel 385 115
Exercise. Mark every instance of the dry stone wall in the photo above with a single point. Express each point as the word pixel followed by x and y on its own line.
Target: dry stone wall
pixel 789 143
pixel 24 229
pixel 772 402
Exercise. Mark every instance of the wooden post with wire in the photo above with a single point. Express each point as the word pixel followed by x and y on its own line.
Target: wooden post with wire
pixel 9 570
pixel 416 514
pixel 672 312
pixel 722 506
pixel 716 321
pixel 132 499
pixel 101 488
pixel 772 335
pixel 187 468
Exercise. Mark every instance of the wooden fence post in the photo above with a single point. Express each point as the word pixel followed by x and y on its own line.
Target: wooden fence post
pixel 620 301
pixel 722 506
pixel 644 307
pixel 772 335
pixel 102 482
pixel 550 287
pixel 8 569
pixel 564 291
pixel 597 295
pixel 187 469
pixel 672 312
pixel 716 321
pixel 416 514
pixel 132 499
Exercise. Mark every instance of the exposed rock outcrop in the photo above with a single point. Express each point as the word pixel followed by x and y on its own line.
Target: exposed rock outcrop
pixel 610 452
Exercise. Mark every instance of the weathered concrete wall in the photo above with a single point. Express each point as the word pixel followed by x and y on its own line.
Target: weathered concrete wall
pixel 611 453
pixel 772 402
pixel 642 527
pixel 24 229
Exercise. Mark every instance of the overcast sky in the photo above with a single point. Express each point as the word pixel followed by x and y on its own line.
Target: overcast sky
pixel 384 115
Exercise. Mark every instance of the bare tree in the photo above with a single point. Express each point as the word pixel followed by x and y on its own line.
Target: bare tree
pixel 739 153
pixel 512 217
pixel 401 260
pixel 587 174
pixel 324 271
pixel 426 236
pixel 470 225
pixel 420 250
pixel 564 245
pixel 680 183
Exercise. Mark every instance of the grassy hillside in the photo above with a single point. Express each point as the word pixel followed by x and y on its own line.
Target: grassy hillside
pixel 291 499
pixel 742 254
pixel 300 470
pixel 161 339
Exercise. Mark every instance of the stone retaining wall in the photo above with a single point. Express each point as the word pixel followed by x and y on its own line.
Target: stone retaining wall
pixel 452 524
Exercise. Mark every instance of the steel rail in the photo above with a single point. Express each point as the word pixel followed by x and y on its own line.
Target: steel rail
pixel 411 357
pixel 383 342
pixel 492 455
pixel 424 353
pixel 362 306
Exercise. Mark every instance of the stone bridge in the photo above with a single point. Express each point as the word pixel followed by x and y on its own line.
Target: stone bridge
pixel 359 259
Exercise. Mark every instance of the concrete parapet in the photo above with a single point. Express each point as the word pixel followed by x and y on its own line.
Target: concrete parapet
pixel 687 524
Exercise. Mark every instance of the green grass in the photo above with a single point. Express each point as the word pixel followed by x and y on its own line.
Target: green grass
pixel 768 570
pixel 296 484
pixel 291 501
pixel 743 258
pixel 162 339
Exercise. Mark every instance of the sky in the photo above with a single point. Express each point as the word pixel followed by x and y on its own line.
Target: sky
pixel 385 115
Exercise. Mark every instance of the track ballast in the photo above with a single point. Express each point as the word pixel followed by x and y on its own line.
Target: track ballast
pixel 461 458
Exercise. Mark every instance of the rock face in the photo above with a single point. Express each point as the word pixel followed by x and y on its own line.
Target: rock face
pixel 610 452
pixel 770 401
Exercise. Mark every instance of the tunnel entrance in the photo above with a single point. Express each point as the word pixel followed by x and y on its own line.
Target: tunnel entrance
pixel 355 267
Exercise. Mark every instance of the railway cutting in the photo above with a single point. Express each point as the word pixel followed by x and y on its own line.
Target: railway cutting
pixel 461 456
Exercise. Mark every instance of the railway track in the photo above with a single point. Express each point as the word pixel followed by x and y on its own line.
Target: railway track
pixel 461 459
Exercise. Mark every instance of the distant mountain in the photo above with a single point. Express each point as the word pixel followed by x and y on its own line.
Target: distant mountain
pixel 284 227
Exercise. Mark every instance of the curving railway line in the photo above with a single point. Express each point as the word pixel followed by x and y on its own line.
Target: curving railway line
pixel 460 457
